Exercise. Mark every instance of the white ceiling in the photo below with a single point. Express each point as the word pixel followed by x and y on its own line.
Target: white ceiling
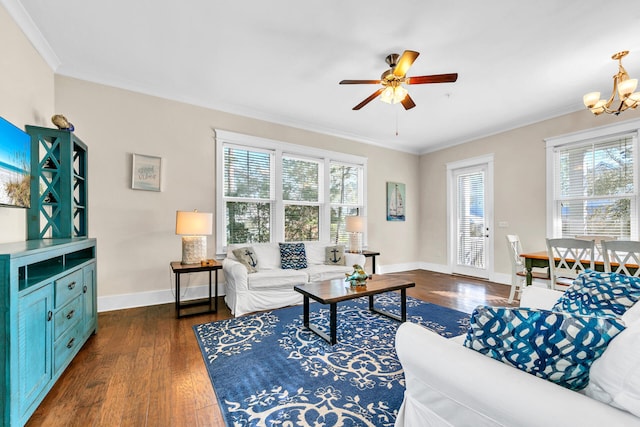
pixel 281 60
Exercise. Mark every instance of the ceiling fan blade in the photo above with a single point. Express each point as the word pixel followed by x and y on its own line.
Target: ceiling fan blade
pixel 436 78
pixel 408 103
pixel 359 82
pixel 405 61
pixel 371 97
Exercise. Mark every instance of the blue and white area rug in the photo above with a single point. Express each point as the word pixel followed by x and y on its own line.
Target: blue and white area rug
pixel 267 369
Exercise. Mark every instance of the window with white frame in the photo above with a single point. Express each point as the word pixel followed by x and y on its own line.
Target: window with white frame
pixel 595 183
pixel 273 191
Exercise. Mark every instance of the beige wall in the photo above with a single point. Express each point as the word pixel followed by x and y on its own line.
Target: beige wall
pixel 26 97
pixel 135 229
pixel 519 186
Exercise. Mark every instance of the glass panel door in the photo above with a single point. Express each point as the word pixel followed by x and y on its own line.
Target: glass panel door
pixel 470 224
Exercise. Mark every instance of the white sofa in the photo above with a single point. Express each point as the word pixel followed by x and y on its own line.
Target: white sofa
pixel 448 384
pixel 271 286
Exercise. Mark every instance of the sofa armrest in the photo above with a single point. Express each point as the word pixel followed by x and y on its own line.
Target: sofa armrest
pixel 351 259
pixel 450 382
pixel 235 274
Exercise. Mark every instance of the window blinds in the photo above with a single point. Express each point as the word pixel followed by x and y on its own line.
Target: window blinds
pixel 596 192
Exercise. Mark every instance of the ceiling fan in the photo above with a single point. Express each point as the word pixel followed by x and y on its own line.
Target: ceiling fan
pixel 391 80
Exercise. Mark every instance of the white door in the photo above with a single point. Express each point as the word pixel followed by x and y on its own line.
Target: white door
pixel 470 218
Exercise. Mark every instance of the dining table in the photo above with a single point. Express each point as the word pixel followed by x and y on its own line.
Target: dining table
pixel 541 259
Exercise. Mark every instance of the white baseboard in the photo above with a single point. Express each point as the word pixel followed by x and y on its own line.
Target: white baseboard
pixel 142 299
pixel 395 268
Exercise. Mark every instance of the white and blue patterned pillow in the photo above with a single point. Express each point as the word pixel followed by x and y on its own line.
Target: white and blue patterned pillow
pixel 293 256
pixel 559 347
pixel 600 294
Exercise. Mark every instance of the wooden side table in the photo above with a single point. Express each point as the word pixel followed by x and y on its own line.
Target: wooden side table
pixel 372 255
pixel 178 269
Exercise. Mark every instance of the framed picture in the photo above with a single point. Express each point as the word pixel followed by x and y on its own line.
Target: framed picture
pixel 146 172
pixel 396 199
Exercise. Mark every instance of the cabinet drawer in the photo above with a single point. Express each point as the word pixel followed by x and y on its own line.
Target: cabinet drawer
pixel 66 347
pixel 68 287
pixel 67 316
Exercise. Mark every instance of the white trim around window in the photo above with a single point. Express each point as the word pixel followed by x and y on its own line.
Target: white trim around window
pixel 600 134
pixel 324 157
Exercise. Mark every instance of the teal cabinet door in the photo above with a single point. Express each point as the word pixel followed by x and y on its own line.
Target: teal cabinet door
pixel 35 319
pixel 90 299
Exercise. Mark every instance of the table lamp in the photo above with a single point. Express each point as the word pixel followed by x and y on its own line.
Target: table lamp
pixel 355 226
pixel 193 227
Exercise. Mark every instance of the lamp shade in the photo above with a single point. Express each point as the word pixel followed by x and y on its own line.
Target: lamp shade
pixel 194 223
pixel 356 224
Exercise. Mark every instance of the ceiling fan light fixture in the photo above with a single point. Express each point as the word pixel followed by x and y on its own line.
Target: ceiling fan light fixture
pixel 623 88
pixel 399 93
pixel 387 95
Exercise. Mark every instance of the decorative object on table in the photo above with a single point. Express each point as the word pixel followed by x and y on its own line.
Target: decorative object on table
pixel 358 277
pixel 146 172
pixel 355 226
pixel 297 381
pixel 396 197
pixel 623 86
pixel 193 227
pixel 62 123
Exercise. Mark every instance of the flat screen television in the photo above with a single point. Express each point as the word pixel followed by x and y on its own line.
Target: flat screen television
pixel 15 166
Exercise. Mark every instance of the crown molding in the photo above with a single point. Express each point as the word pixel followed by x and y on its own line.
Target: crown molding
pixel 19 14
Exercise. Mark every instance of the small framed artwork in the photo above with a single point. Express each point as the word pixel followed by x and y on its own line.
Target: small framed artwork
pixel 146 172
pixel 396 199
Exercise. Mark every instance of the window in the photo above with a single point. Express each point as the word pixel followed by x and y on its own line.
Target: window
pixel 595 187
pixel 301 196
pixel 248 193
pixel 272 191
pixel 345 198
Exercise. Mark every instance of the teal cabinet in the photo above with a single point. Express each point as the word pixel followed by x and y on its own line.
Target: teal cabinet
pixel 35 318
pixel 90 299
pixel 58 184
pixel 48 311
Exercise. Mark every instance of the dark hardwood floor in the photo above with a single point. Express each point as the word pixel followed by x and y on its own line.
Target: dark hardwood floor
pixel 144 367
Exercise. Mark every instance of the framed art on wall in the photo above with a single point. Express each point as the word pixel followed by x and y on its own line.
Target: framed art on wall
pixel 146 172
pixel 396 197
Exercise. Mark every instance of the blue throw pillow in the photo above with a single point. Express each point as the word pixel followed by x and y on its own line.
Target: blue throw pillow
pixel 600 294
pixel 293 256
pixel 559 347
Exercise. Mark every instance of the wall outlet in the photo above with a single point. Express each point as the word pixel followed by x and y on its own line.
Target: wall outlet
pixel 503 224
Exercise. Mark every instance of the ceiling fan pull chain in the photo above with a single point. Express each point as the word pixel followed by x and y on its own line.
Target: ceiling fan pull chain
pixel 396 122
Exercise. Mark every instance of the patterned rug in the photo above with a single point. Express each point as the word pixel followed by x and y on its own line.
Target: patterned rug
pixel 267 369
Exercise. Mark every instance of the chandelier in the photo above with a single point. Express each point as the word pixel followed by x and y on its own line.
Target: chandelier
pixel 623 86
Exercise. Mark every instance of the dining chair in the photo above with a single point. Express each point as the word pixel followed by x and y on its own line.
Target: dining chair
pixel 572 256
pixel 598 241
pixel 518 272
pixel 622 256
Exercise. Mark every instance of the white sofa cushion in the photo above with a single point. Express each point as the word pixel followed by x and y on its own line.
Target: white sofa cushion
pixel 315 252
pixel 276 279
pixel 318 273
pixel 615 376
pixel 268 254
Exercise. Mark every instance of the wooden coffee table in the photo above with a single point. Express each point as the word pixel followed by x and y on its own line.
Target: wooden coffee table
pixel 333 291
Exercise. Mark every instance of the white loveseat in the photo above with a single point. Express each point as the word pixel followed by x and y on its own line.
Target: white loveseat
pixel 448 384
pixel 271 286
